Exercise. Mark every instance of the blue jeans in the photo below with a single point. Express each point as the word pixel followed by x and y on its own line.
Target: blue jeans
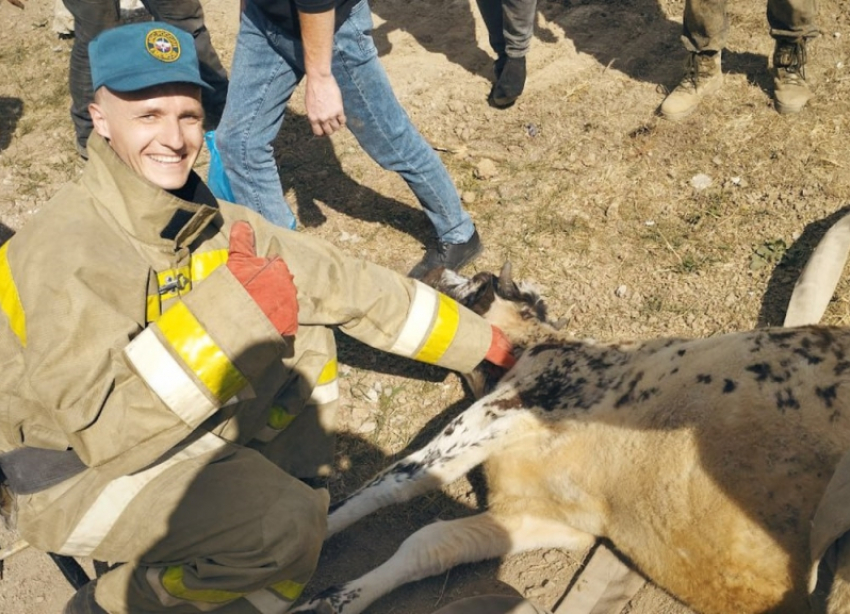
pixel 267 66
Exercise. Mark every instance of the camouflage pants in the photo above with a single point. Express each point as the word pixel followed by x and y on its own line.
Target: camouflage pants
pixel 706 24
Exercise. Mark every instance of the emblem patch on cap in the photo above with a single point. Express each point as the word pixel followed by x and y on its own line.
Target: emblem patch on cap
pixel 163 45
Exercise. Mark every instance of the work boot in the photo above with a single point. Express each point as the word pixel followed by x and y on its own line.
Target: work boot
pixel 448 255
pixel 789 64
pixel 510 81
pixel 702 77
pixel 83 601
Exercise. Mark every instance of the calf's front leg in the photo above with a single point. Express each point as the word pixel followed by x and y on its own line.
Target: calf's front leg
pixel 465 443
pixel 443 545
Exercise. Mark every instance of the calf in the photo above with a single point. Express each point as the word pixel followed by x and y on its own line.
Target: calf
pixel 702 460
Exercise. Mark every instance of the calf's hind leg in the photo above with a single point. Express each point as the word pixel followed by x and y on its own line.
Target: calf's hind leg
pixel 443 545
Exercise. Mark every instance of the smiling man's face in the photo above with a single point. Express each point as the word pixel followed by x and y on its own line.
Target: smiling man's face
pixel 157 131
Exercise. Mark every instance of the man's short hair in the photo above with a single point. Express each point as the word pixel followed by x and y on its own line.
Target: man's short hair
pixel 140 55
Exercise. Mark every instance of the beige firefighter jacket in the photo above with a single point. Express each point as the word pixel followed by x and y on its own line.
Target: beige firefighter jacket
pixel 122 333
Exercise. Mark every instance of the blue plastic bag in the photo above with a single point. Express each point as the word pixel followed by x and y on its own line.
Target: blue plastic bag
pixel 217 179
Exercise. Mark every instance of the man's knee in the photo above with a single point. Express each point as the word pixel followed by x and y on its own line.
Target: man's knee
pixel 295 531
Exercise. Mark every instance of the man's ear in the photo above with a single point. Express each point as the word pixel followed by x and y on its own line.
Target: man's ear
pixel 98 117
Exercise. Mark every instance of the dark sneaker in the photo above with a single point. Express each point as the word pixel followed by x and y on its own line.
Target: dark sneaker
pixel 448 255
pixel 510 82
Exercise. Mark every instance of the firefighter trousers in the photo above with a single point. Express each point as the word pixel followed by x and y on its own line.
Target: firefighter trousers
pixel 212 525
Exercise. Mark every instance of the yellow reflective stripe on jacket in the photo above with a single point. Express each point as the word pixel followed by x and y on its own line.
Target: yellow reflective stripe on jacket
pixel 200 353
pixel 172 581
pixel 204 263
pixel 154 577
pixel 443 332
pixel 279 418
pixel 104 512
pixel 167 378
pixel 172 590
pixel 327 387
pixel 288 589
pixel 277 421
pixel 326 391
pixel 176 282
pixel 431 326
pixel 10 301
pixel 153 308
pixel 173 282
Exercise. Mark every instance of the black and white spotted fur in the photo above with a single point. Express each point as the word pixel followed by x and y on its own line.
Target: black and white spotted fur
pixel 701 460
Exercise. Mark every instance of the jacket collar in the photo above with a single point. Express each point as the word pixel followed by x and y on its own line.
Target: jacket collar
pixel 147 212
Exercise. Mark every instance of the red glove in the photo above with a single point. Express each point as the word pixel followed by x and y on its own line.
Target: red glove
pixel 267 280
pixel 500 350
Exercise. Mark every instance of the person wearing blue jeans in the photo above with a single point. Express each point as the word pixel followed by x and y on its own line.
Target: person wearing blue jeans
pixel 346 85
pixel 91 17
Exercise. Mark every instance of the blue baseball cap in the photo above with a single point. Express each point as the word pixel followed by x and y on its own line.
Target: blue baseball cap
pixel 139 55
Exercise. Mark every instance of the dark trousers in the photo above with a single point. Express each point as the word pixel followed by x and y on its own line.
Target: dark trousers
pixel 91 17
pixel 510 25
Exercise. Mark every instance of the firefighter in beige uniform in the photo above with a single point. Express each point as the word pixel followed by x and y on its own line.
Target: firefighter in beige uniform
pixel 145 341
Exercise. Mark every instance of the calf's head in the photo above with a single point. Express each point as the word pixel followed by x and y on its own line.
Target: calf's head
pixel 514 307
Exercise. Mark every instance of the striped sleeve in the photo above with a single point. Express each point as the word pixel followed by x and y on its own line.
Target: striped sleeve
pixel 184 366
pixel 439 331
pixel 196 357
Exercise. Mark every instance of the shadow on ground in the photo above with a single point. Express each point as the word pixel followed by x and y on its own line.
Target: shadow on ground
pixel 11 110
pixel 784 276
pixel 634 37
pixel 6 233
pixel 374 539
pixel 309 166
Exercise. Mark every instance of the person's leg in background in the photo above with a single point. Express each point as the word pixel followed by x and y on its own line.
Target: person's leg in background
pixel 510 27
pixel 385 132
pixel 188 15
pixel 792 25
pixel 264 74
pixel 704 32
pixel 91 17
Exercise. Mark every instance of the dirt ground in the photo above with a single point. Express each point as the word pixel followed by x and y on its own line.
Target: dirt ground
pixel 631 226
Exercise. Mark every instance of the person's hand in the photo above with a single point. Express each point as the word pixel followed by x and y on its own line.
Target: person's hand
pixel 501 351
pixel 267 280
pixel 17 3
pixel 324 105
